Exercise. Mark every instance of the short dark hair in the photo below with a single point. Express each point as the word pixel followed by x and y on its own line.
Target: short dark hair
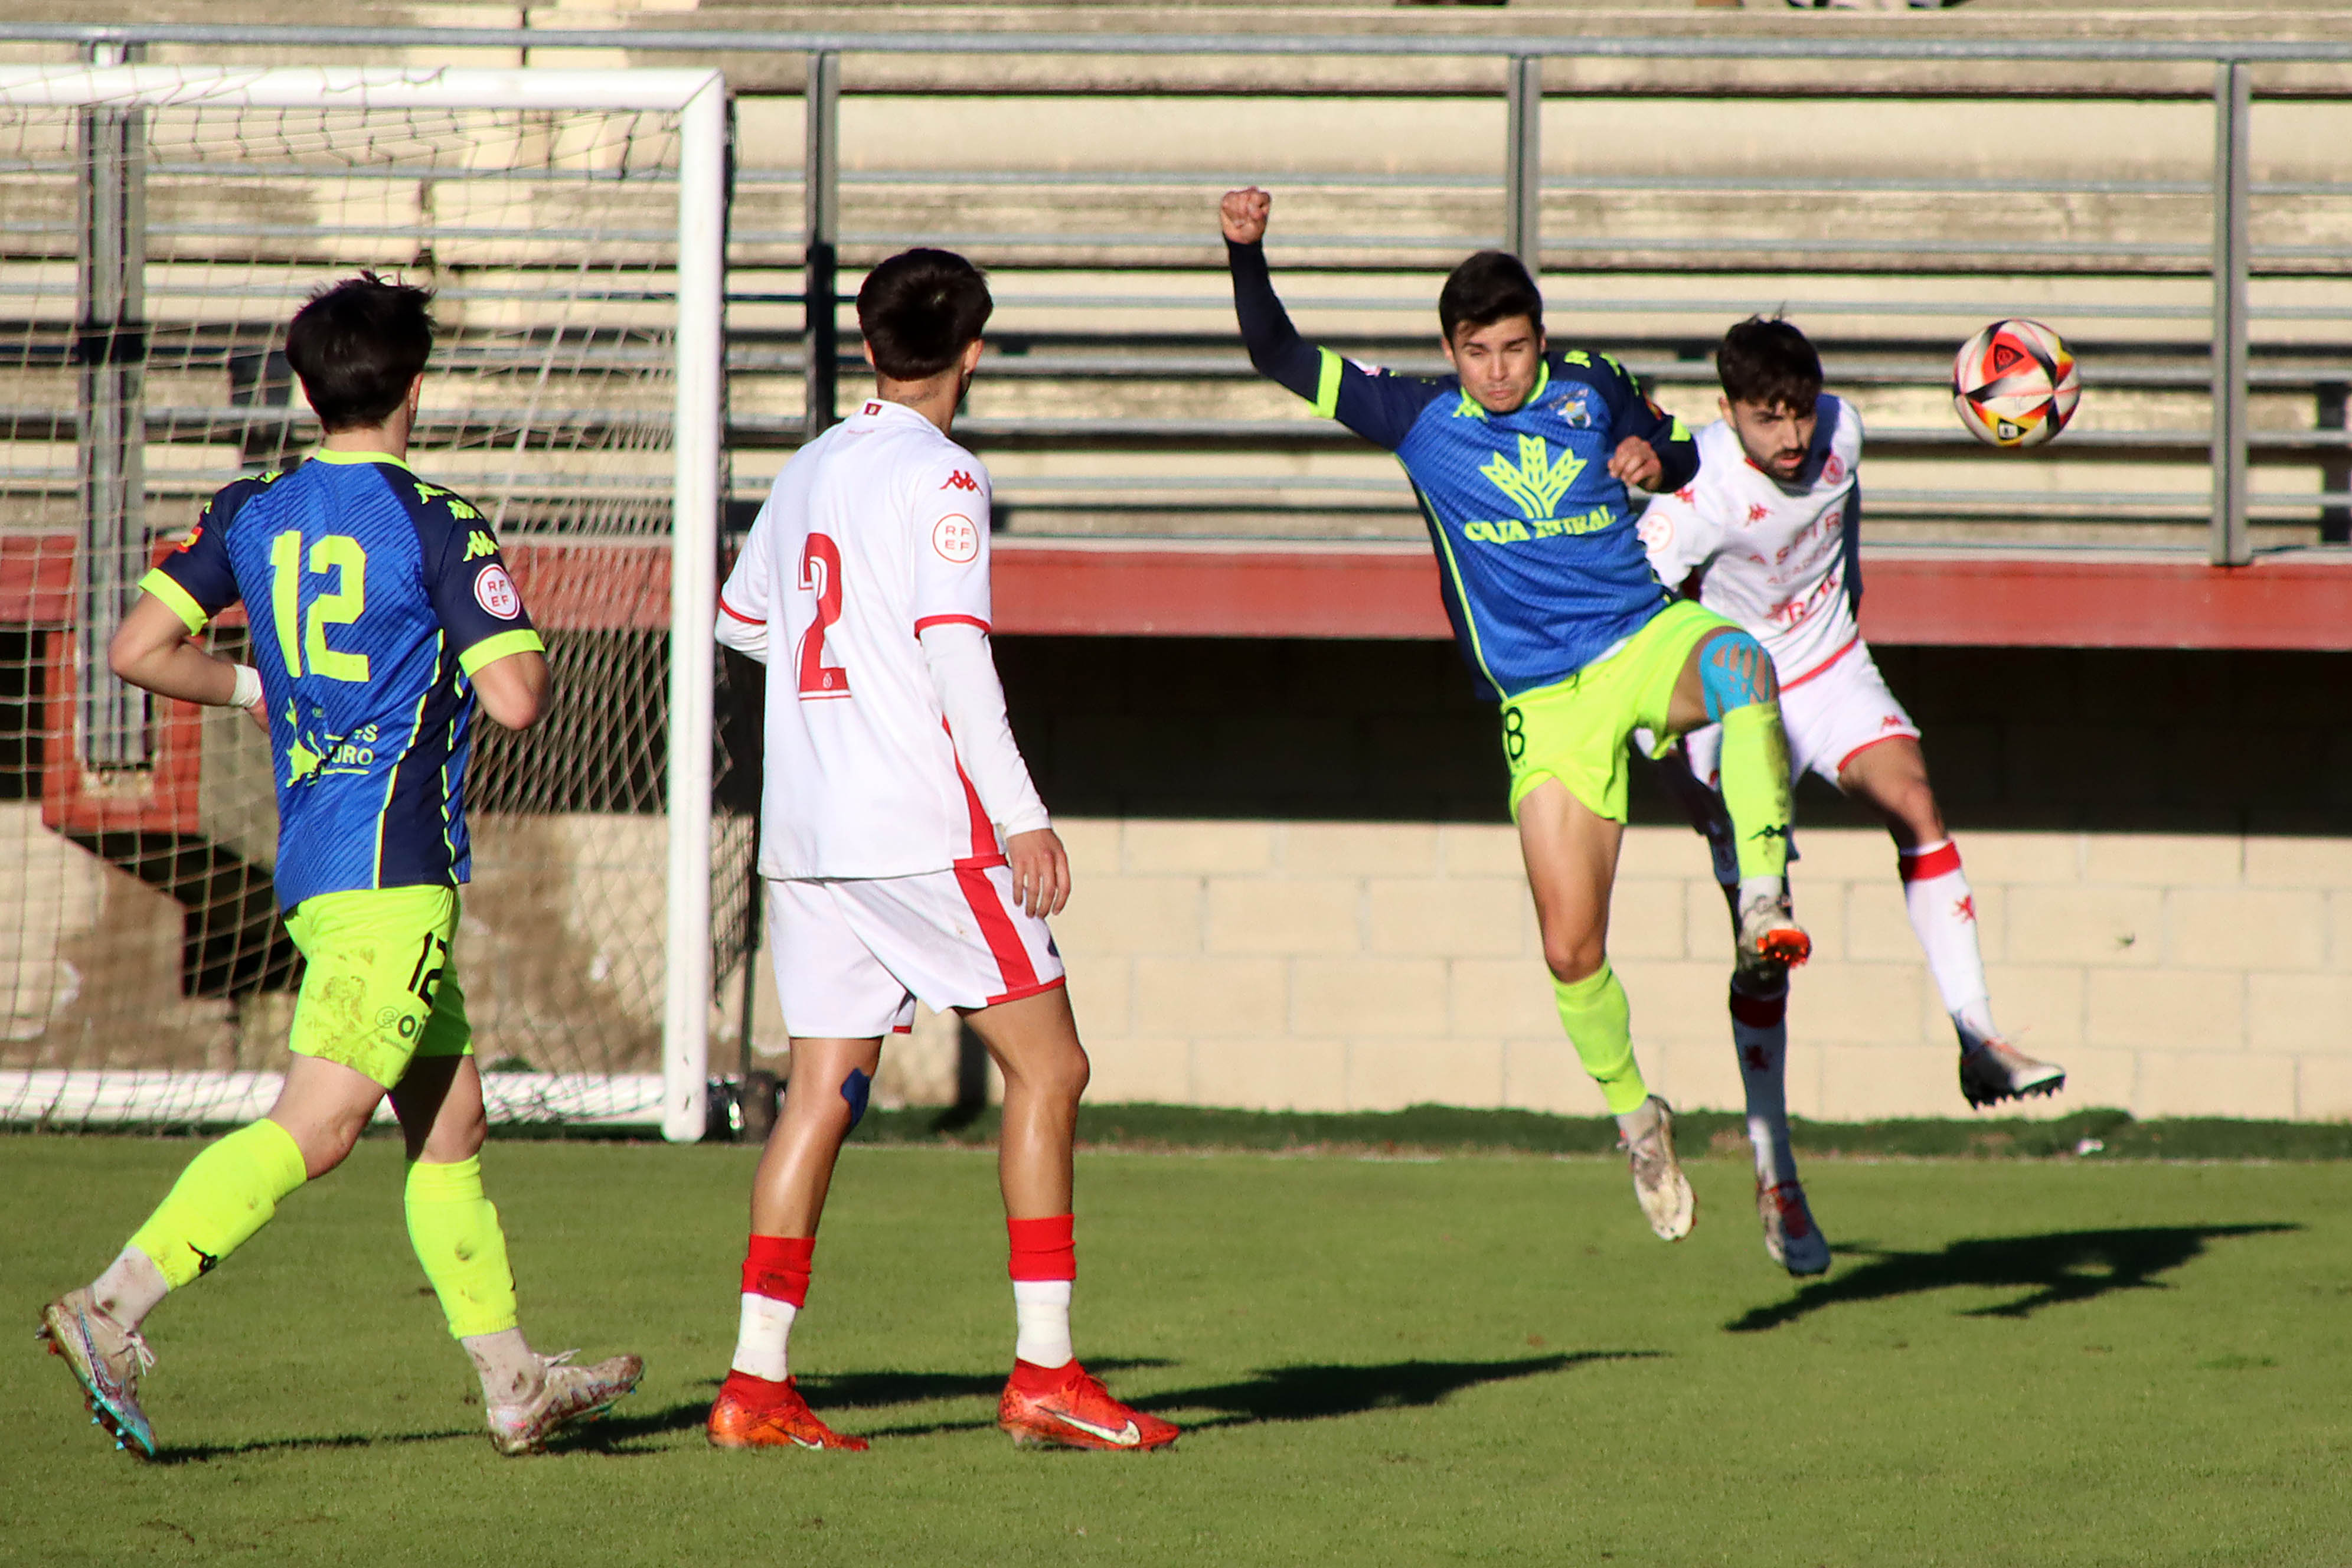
pixel 919 309
pixel 358 346
pixel 1486 288
pixel 1770 364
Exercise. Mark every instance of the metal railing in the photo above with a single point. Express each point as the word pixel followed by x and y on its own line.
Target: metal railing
pixel 2230 261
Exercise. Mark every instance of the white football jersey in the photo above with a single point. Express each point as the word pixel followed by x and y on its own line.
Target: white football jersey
pixel 1774 557
pixel 874 530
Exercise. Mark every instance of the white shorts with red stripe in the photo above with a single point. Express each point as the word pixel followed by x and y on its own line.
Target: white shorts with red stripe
pixel 853 955
pixel 1834 712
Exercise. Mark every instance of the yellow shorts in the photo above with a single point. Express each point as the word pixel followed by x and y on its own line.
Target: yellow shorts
pixel 1575 730
pixel 379 990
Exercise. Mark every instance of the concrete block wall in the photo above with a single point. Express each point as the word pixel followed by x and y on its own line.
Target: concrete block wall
pixel 1370 966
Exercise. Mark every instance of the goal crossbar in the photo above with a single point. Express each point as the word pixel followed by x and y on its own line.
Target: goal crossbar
pixel 697 98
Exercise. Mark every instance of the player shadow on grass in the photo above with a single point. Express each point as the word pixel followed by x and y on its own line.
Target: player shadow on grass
pixel 2060 1267
pixel 204 1453
pixel 1322 1392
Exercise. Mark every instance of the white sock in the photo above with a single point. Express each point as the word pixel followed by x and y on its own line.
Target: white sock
pixel 760 1338
pixel 1761 1040
pixel 511 1371
pixel 1041 1309
pixel 1943 917
pixel 130 1288
pixel 1638 1122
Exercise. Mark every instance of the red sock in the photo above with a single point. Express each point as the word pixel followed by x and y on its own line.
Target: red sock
pixel 777 1266
pixel 1042 1249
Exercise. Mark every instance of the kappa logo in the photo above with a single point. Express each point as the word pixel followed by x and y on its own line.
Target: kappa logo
pixel 1686 495
pixel 1756 512
pixel 1892 722
pixel 478 544
pixel 458 508
pixel 1536 482
pixel 1966 909
pixel 960 480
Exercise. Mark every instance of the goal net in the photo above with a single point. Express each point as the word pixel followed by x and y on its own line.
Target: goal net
pixel 158 228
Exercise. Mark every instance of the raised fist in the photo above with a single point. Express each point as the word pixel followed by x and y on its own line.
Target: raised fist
pixel 1242 213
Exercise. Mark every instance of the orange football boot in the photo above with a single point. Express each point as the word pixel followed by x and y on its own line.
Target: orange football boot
pixel 753 1413
pixel 1064 1405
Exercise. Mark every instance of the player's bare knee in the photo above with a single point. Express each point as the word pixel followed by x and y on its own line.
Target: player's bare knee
pixel 1571 960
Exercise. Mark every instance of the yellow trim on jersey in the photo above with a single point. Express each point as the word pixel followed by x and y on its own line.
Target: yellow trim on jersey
pixel 183 604
pixel 1461 594
pixel 328 455
pixel 1543 379
pixel 489 650
pixel 1327 387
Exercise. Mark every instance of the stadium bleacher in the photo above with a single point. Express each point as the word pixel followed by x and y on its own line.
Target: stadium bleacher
pixel 1149 484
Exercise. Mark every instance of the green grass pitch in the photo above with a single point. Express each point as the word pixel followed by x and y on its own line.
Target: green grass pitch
pixel 1476 1359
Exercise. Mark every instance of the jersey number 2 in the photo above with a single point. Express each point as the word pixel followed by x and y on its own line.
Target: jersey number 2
pixel 820 575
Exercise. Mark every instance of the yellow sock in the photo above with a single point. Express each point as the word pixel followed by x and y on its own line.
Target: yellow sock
pixel 227 1193
pixel 1600 1024
pixel 455 1232
pixel 1756 788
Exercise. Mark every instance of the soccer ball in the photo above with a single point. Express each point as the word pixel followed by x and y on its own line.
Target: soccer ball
pixel 2015 384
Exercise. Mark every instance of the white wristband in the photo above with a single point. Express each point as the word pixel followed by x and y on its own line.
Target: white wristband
pixel 247 693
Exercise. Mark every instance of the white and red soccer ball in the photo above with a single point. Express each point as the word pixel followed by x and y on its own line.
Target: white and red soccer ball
pixel 2015 384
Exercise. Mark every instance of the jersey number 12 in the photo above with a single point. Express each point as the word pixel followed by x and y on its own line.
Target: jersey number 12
pixel 820 575
pixel 337 554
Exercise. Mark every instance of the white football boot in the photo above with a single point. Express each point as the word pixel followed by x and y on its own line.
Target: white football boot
pixel 567 1397
pixel 1794 1241
pixel 106 1360
pixel 1659 1184
pixel 1992 1070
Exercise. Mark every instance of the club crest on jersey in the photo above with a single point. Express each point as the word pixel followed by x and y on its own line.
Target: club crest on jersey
pixel 495 592
pixel 955 539
pixel 1534 483
pixel 1575 409
pixel 1835 469
pixel 960 480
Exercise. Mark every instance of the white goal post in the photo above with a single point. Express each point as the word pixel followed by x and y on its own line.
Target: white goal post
pixel 284 123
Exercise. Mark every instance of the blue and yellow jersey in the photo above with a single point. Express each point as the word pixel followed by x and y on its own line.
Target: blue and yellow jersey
pixel 1541 567
pixel 373 597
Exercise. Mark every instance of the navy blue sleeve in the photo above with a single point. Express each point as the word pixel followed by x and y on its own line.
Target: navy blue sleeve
pixel 477 602
pixel 1852 527
pixel 1376 405
pixel 1635 415
pixel 196 579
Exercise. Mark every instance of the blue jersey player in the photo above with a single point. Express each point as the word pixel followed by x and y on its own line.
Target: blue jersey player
pixel 381 616
pixel 1521 461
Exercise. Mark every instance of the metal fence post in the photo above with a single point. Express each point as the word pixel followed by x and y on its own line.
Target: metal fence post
pixel 2232 185
pixel 821 177
pixel 1523 163
pixel 111 350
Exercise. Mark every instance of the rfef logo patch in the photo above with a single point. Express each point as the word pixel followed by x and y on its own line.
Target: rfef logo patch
pixel 955 539
pixel 495 592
